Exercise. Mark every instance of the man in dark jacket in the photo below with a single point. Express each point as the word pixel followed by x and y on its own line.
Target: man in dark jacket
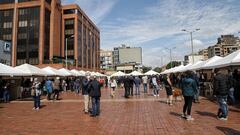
pixel 127 85
pixel 131 85
pixel 85 93
pixel 95 93
pixel 220 85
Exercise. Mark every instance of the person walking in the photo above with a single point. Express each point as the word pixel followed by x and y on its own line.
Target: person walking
pixel 196 95
pixel 6 93
pixel 113 85
pixel 56 88
pixel 155 86
pixel 85 93
pixel 95 93
pixel 145 81
pixel 49 87
pixel 36 93
pixel 131 85
pixel 168 87
pixel 189 88
pixel 77 86
pixel 232 86
pixel 137 82
pixel 221 89
pixel 127 85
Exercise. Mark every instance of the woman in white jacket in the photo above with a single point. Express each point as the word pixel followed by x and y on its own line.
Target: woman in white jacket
pixel 113 85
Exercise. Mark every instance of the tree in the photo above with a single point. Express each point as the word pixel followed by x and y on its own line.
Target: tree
pixel 158 69
pixel 145 69
pixel 174 64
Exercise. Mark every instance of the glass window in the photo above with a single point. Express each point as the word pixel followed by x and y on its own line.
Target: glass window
pixel 6 1
pixel 69 11
pixel 6 23
pixel 28 35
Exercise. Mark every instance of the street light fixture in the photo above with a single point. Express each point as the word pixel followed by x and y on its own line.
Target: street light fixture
pixel 191 31
pixel 170 50
pixel 66 58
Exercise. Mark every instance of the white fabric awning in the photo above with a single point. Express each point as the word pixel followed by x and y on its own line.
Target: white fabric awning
pixel 119 73
pixel 77 73
pixel 209 62
pixel 32 70
pixel 231 59
pixel 151 72
pixel 66 72
pixel 52 71
pixel 135 73
pixel 6 70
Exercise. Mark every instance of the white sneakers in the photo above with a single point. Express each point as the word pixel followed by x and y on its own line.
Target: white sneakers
pixel 189 118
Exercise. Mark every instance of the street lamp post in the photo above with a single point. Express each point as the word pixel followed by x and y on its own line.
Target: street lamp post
pixel 66 58
pixel 190 32
pixel 170 50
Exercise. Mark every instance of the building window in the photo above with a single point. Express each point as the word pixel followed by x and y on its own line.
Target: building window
pixel 6 1
pixel 22 23
pixel 7 25
pixel 69 11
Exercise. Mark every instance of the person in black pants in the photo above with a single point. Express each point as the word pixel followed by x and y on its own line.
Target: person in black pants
pixel 189 88
pixel 131 85
pixel 127 85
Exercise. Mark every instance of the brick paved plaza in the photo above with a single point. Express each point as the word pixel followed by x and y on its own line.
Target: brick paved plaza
pixel 142 115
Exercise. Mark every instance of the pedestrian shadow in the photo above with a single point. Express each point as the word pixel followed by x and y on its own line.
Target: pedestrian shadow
pixel 209 114
pixel 175 114
pixel 233 110
pixel 42 106
pixel 161 101
pixel 228 131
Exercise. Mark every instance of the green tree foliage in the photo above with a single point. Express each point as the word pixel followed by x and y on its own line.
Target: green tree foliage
pixel 158 69
pixel 174 64
pixel 145 69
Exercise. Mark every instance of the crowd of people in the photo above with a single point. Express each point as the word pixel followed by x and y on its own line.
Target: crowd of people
pixel 225 86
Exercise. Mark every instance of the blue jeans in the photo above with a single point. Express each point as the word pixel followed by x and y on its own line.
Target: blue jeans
pixel 155 89
pixel 77 89
pixel 36 100
pixel 6 96
pixel 96 105
pixel 145 87
pixel 223 107
pixel 137 90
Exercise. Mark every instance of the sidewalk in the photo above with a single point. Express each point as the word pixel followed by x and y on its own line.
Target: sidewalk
pixel 139 115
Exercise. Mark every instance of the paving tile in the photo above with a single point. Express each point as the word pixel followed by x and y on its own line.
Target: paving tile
pixel 138 115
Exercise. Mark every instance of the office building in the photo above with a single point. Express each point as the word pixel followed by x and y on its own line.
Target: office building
pixel 106 58
pixel 226 44
pixel 42 30
pixel 125 54
pixel 5 52
pixel 189 58
pixel 204 52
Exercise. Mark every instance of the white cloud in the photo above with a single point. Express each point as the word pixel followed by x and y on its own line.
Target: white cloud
pixel 166 19
pixel 97 10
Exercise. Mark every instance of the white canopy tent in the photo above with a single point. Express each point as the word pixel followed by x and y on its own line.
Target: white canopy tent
pixel 53 71
pixel 77 73
pixel 82 72
pixel 135 73
pixel 66 72
pixel 231 59
pixel 6 70
pixel 195 65
pixel 119 73
pixel 151 72
pixel 32 70
pixel 185 68
pixel 209 62
pixel 178 68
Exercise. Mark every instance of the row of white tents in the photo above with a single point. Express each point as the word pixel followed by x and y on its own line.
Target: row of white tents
pixel 232 59
pixel 134 73
pixel 30 70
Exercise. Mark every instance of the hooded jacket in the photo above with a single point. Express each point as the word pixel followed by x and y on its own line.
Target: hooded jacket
pixel 189 87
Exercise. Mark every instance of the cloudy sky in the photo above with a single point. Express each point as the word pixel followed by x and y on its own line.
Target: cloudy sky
pixel 156 25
